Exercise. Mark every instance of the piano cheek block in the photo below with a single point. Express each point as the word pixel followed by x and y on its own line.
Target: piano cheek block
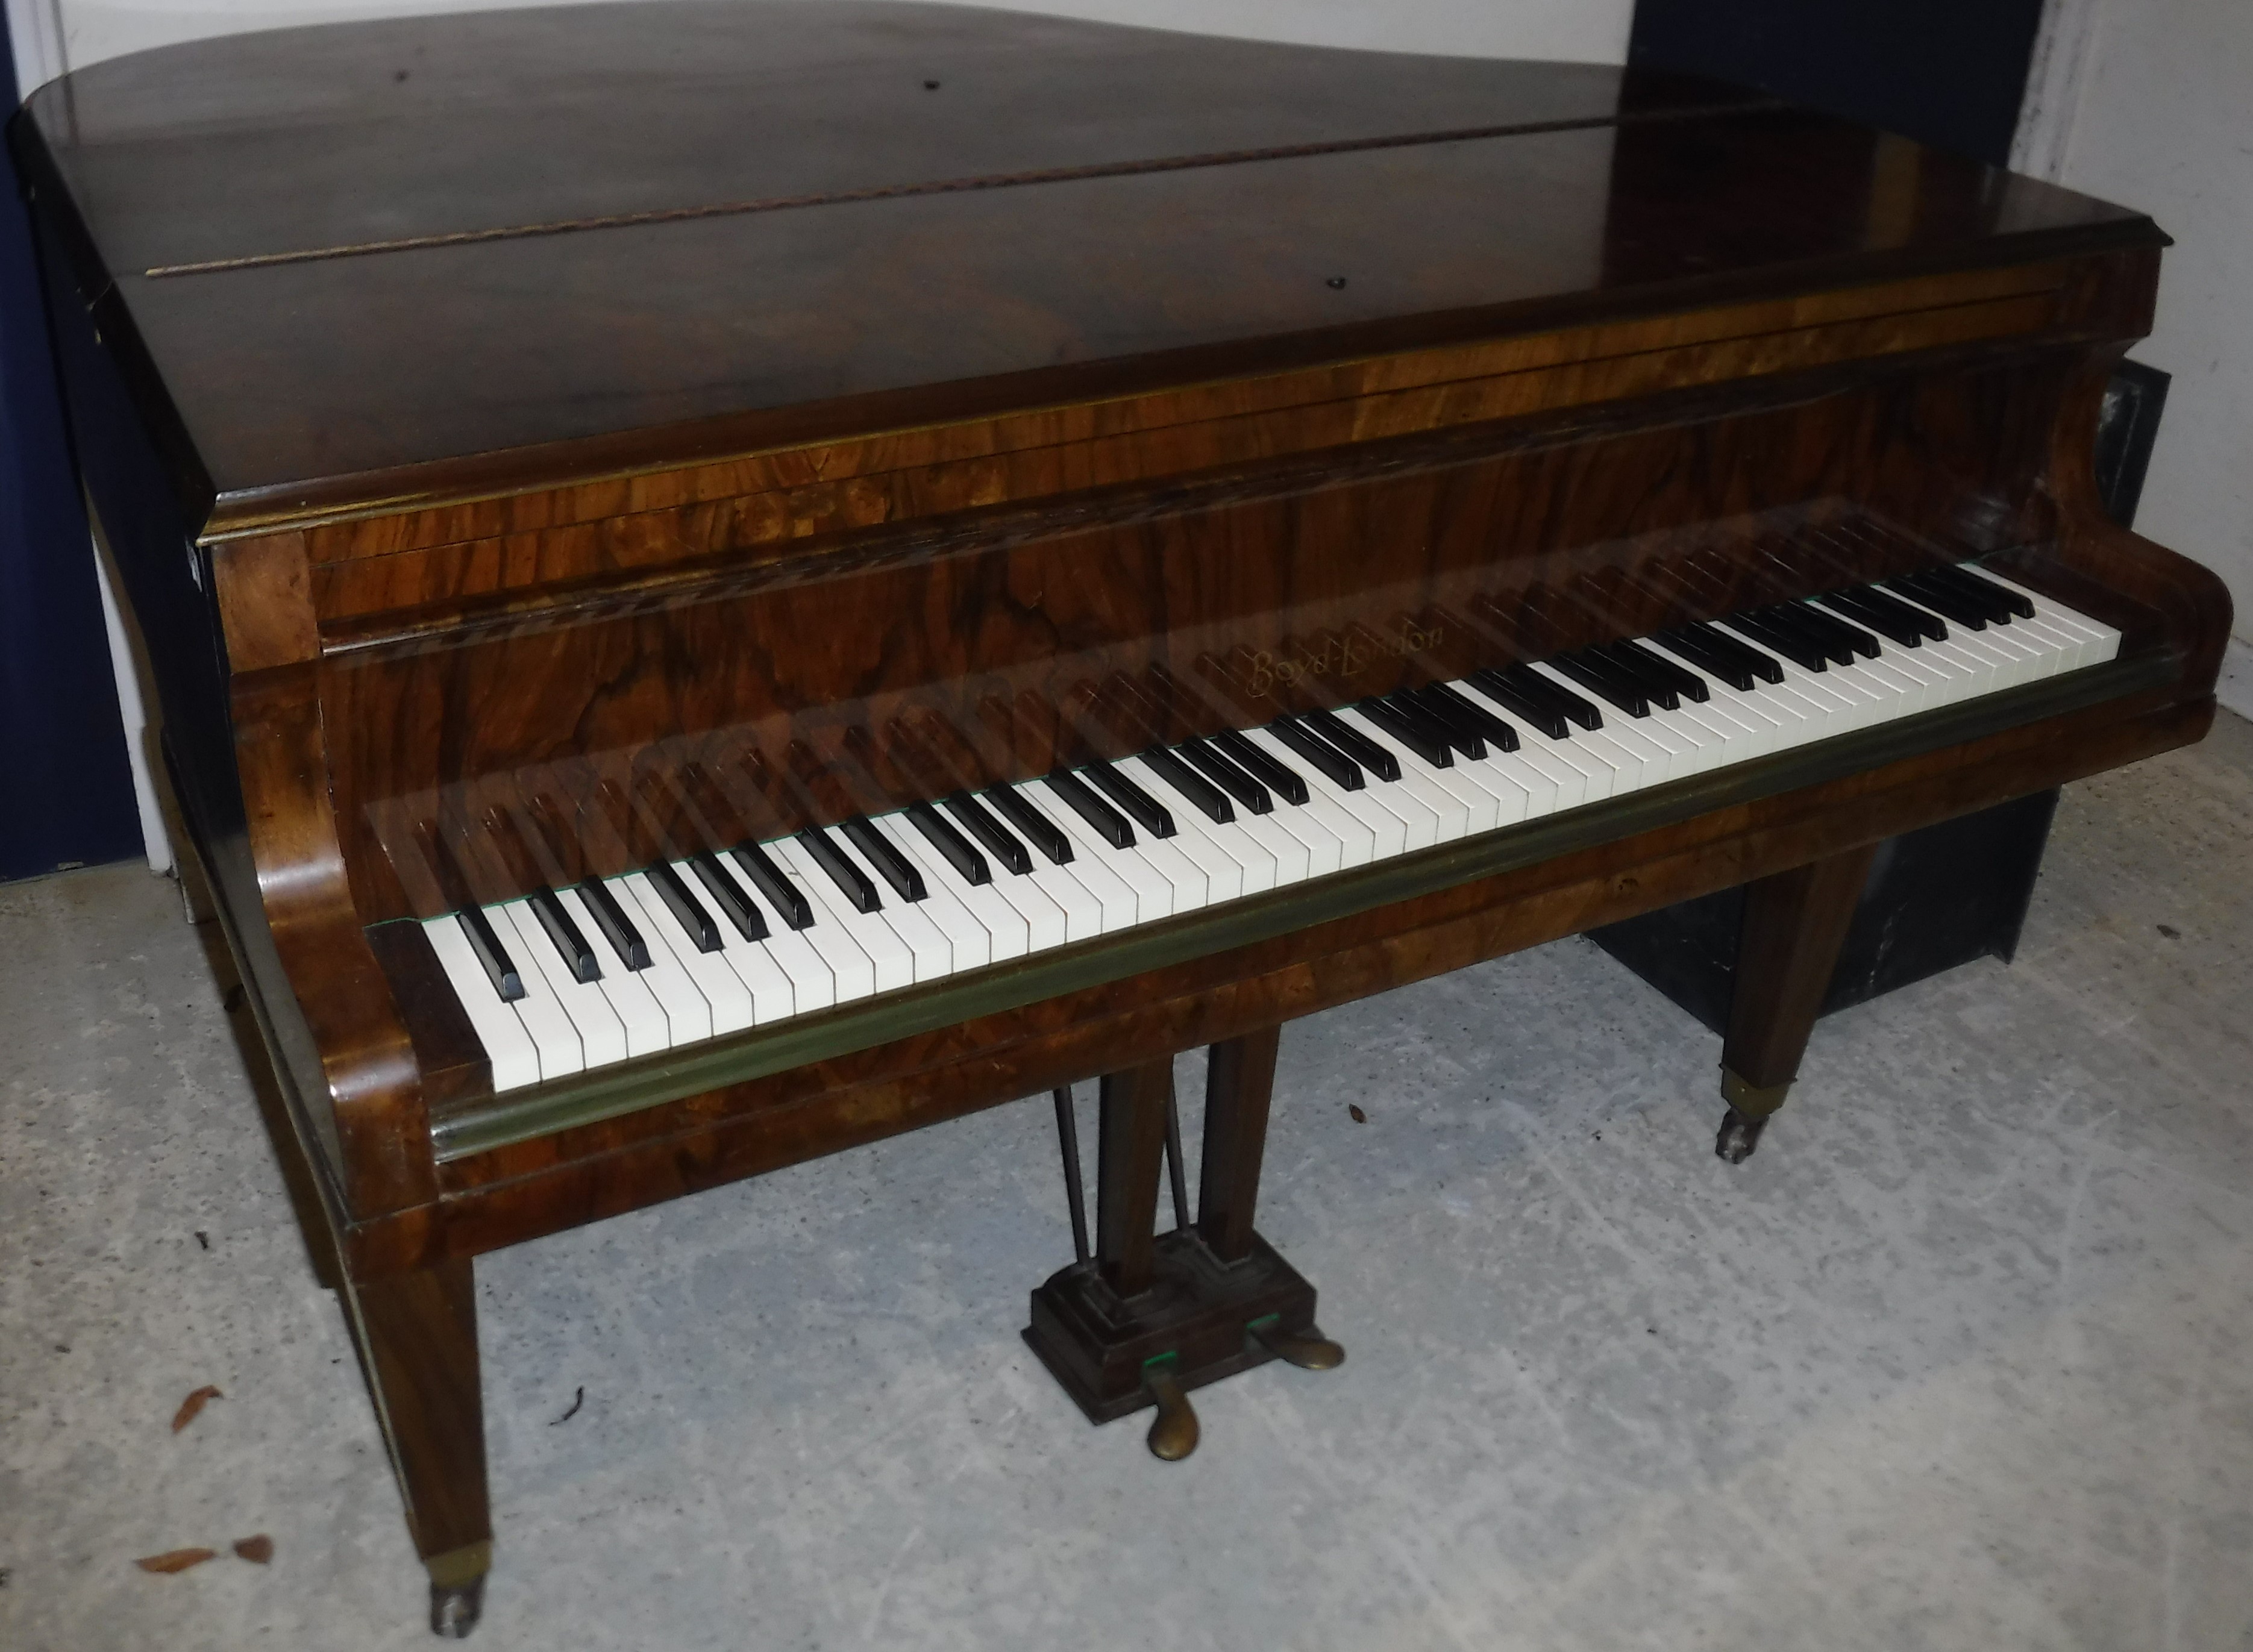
pixel 560 569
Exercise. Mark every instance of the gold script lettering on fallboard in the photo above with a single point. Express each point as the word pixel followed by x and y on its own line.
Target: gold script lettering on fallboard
pixel 1346 656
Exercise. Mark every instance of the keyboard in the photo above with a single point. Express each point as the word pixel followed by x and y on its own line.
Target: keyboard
pixel 572 979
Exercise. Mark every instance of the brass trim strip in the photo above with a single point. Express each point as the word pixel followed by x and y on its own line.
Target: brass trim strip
pixel 544 1109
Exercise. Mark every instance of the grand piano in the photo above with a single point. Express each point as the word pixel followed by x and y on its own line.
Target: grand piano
pixel 728 580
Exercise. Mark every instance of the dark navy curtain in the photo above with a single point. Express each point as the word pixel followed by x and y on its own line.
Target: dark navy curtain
pixel 66 787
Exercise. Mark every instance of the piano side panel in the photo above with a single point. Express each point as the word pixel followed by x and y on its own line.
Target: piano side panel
pixel 1000 652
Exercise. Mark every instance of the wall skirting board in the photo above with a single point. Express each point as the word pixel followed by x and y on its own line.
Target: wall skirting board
pixel 2235 689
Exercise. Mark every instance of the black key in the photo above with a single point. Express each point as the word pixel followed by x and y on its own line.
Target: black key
pixel 1148 812
pixel 1410 732
pixel 486 945
pixel 618 928
pixel 978 821
pixel 1108 823
pixel 1939 598
pixel 1624 692
pixel 951 843
pixel 1045 834
pixel 1688 684
pixel 2018 602
pixel 770 880
pixel 1793 647
pixel 1856 639
pixel 578 957
pixel 1458 707
pixel 1657 688
pixel 1548 691
pixel 2001 605
pixel 1354 743
pixel 1711 660
pixel 882 853
pixel 1732 647
pixel 1465 742
pixel 1342 772
pixel 1803 623
pixel 851 880
pixel 1262 766
pixel 726 895
pixel 1872 601
pixel 1228 777
pixel 1891 622
pixel 688 910
pixel 1201 792
pixel 1544 715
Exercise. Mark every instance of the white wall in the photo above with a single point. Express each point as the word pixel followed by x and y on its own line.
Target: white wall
pixel 2150 102
pixel 54 35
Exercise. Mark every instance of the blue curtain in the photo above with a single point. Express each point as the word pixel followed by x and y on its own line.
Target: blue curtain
pixel 66 787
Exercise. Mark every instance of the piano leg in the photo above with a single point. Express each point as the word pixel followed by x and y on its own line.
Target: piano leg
pixel 1795 923
pixel 417 1337
pixel 1150 1317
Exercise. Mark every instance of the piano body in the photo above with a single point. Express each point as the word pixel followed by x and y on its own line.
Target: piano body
pixel 729 580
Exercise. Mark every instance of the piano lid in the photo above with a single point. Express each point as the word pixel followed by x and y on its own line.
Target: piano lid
pixel 359 256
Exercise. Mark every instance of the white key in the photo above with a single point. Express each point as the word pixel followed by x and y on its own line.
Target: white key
pixel 509 1048
pixel 1256 860
pixel 1451 814
pixel 1151 895
pixel 890 965
pixel 815 980
pixel 687 1013
pixel 1840 710
pixel 1193 833
pixel 1114 901
pixel 969 936
pixel 1366 831
pixel 1549 783
pixel 927 944
pixel 1081 911
pixel 1581 776
pixel 732 1003
pixel 628 995
pixel 2099 642
pixel 602 1037
pixel 1942 687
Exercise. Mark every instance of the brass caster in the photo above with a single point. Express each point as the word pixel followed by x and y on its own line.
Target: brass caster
pixel 1739 1135
pixel 1174 1435
pixel 458 1589
pixel 454 1609
pixel 1308 1350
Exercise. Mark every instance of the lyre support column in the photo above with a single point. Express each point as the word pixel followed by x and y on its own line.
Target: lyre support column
pixel 1795 923
pixel 1130 1153
pixel 1240 1081
pixel 417 1336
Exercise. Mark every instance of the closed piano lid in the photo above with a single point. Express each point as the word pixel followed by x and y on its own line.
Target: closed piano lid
pixel 420 256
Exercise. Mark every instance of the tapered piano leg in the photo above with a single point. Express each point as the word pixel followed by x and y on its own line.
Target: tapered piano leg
pixel 417 1336
pixel 1149 1318
pixel 1795 923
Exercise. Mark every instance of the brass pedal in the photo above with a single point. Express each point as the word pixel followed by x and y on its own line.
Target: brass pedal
pixel 1175 1434
pixel 1308 1350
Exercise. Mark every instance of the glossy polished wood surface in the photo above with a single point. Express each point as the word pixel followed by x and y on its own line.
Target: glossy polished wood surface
pixel 861 465
pixel 353 380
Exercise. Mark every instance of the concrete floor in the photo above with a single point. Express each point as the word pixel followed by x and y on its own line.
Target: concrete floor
pixel 1963 1358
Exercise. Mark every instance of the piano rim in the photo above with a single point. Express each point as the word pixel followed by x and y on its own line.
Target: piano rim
pixel 580 1100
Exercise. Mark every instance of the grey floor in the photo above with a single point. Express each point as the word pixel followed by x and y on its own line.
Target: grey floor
pixel 1963 1359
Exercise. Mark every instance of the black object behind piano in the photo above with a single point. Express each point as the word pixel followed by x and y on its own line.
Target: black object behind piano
pixel 1949 895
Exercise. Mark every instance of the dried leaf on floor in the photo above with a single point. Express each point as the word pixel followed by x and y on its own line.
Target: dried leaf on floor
pixel 1357 1115
pixel 174 1559
pixel 193 1406
pixel 258 1550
